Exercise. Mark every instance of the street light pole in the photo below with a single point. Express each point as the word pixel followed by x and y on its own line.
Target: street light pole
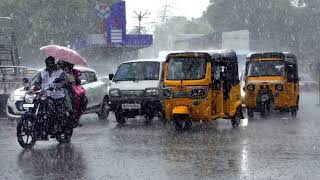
pixel 140 16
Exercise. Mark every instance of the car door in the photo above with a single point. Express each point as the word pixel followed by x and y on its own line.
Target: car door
pixel 86 85
pixel 97 87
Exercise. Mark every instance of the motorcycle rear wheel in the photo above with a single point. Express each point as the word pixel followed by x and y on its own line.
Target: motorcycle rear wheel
pixel 25 133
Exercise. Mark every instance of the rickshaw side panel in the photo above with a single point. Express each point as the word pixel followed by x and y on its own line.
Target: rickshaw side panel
pixel 234 101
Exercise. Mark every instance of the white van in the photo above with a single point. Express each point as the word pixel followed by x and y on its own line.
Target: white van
pixel 136 89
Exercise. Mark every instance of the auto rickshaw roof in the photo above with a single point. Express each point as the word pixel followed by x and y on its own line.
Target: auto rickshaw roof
pixel 285 56
pixel 215 55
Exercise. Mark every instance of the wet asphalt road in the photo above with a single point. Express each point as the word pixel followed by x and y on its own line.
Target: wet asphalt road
pixel 273 148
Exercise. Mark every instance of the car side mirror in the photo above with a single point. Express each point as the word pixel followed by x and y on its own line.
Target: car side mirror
pixel 82 82
pixel 111 76
pixel 25 80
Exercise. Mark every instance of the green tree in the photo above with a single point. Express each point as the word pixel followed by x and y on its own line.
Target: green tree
pixel 41 22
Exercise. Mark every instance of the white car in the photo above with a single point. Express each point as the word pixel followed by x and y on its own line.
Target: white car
pixel 96 92
pixel 308 84
pixel 136 89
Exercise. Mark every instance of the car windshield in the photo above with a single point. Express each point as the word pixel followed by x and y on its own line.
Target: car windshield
pixel 138 71
pixel 186 69
pixel 266 68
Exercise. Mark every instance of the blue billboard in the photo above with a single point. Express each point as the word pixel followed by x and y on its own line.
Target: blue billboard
pixel 115 28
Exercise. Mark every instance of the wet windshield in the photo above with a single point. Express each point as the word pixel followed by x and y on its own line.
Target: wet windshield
pixel 266 68
pixel 137 71
pixel 186 69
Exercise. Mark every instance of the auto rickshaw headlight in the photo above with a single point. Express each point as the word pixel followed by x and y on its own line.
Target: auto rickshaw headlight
pixel 198 92
pixel 167 93
pixel 250 87
pixel 279 87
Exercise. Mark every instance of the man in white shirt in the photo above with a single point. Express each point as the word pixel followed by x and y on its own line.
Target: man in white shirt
pixel 53 80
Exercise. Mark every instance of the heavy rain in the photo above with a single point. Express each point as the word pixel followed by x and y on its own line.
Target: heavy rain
pixel 161 89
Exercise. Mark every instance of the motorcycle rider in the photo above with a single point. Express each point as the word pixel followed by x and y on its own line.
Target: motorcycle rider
pixel 75 92
pixel 52 80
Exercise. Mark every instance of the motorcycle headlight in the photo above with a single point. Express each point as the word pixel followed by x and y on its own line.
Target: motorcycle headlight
pixel 198 93
pixel 167 93
pixel 29 98
pixel 250 87
pixel 114 93
pixel 152 92
pixel 279 87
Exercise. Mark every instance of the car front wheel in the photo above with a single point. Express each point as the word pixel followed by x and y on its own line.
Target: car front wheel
pixel 120 118
pixel 104 110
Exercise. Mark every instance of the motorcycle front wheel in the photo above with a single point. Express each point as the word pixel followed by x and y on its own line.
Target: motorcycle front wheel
pixel 65 136
pixel 25 134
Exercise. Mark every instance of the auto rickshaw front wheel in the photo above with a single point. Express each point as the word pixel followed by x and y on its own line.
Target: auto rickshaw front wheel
pixel 235 121
pixel 294 112
pixel 250 113
pixel 180 126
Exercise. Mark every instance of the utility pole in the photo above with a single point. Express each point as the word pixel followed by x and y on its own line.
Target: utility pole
pixel 164 13
pixel 140 16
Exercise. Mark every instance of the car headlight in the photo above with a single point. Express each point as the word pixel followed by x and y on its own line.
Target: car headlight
pixel 11 97
pixel 167 93
pixel 250 87
pixel 114 93
pixel 198 93
pixel 152 92
pixel 279 87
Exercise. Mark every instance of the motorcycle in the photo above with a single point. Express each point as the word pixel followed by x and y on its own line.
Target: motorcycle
pixel 43 119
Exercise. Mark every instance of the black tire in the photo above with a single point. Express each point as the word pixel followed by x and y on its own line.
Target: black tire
pixel 187 125
pixel 23 131
pixel 120 118
pixel 263 111
pixel 250 113
pixel 65 136
pixel 178 126
pixel 149 119
pixel 235 121
pixel 294 112
pixel 104 110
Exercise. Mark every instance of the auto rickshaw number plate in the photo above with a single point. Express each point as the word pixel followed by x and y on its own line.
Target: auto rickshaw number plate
pixel 264 97
pixel 131 106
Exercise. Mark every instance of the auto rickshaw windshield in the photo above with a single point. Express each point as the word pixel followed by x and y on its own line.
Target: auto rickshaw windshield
pixel 266 68
pixel 186 69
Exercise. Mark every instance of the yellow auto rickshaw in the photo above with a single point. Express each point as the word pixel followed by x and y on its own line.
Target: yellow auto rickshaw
pixel 202 86
pixel 271 83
